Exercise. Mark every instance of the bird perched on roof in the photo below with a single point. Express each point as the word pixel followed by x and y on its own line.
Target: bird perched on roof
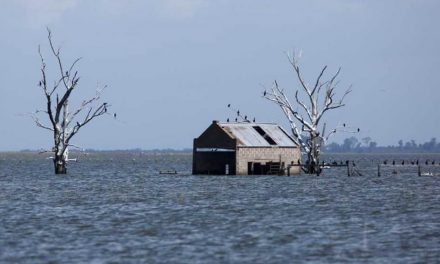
pixel 227 120
pixel 245 117
pixel 359 130
pixel 253 120
pixel 238 112
pixel 264 93
pixel 236 119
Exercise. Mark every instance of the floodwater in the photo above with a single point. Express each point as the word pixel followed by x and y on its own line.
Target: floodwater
pixel 117 208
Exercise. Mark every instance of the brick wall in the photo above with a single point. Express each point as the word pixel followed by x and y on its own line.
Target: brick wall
pixel 264 155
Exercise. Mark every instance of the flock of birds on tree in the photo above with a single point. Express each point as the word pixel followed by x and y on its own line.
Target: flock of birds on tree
pixel 240 118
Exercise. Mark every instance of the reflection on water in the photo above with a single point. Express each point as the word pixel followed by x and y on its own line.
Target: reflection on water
pixel 116 207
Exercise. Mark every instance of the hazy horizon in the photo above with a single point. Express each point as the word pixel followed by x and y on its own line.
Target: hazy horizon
pixel 172 66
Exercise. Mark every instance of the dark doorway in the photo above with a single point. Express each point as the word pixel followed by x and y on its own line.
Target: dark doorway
pixel 256 168
pixel 270 168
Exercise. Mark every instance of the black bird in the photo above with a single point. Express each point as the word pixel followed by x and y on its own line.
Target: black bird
pixel 343 124
pixel 359 130
pixel 245 117
pixel 114 115
pixel 39 84
pixel 433 162
pixel 299 162
pixel 227 120
pixel 394 162
pixel 236 119
pixel 403 162
pixel 238 112
pixel 254 120
pixel 417 162
pixel 426 162
pixel 412 162
pixel 264 93
pixel 229 105
pixel 77 123
pixel 385 162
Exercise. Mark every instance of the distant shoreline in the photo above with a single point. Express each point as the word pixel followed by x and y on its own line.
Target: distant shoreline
pixel 190 151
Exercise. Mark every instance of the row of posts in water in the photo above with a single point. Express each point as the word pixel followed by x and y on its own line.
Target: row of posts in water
pixel 353 171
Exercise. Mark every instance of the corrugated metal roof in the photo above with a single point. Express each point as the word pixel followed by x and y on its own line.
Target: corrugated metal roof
pixel 248 135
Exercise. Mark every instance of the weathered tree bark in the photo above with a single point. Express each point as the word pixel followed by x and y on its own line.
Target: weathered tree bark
pixel 60 165
pixel 311 137
pixel 64 124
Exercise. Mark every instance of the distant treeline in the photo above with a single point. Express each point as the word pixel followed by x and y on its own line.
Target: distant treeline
pixel 367 145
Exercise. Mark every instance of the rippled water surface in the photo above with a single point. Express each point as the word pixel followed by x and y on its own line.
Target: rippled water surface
pixel 116 207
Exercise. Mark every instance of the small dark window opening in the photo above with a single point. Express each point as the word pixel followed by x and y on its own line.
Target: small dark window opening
pixel 265 136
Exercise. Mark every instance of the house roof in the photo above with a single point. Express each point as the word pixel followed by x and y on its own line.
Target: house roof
pixel 258 134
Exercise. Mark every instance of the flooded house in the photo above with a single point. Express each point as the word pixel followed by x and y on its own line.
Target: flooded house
pixel 245 148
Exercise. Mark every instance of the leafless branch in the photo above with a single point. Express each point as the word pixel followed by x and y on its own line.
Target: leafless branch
pixel 310 122
pixel 57 104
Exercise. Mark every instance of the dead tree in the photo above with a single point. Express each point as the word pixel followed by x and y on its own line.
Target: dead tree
pixel 63 123
pixel 305 117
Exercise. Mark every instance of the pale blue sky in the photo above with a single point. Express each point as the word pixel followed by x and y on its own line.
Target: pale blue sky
pixel 172 66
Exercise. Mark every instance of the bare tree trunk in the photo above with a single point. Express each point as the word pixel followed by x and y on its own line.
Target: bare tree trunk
pixel 60 165
pixel 63 123
pixel 309 113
